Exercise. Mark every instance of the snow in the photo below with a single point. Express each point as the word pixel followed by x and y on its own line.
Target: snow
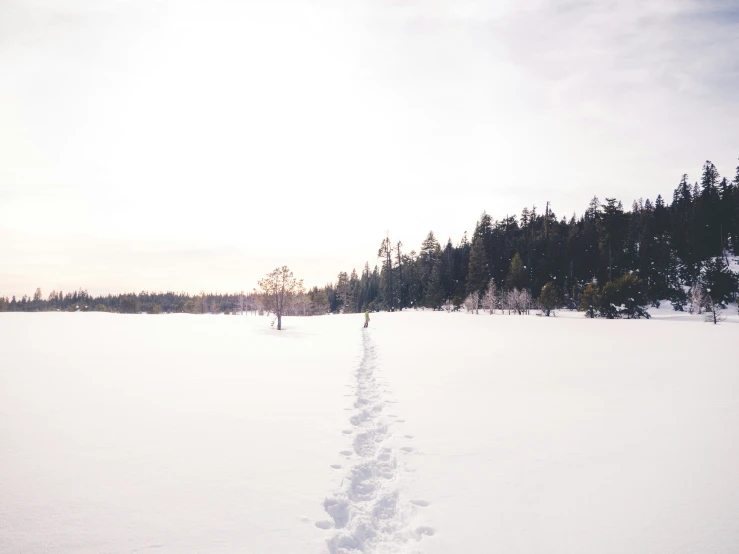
pixel 428 432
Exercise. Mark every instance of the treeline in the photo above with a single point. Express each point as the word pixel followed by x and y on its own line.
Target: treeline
pixel 169 302
pixel 667 250
pixel 312 302
pixel 609 262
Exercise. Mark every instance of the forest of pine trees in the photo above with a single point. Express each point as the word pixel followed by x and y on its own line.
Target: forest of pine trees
pixel 609 262
pixel 627 259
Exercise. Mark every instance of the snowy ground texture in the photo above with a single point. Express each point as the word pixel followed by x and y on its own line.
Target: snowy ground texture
pixel 428 432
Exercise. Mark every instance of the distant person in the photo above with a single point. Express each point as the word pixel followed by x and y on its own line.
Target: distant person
pixel 366 318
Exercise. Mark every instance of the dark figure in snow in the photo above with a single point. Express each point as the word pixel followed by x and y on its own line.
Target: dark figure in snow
pixel 366 318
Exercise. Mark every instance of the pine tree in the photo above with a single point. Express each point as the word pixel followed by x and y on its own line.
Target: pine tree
pixel 516 278
pixel 477 274
pixel 385 253
pixel 548 299
pixel 611 235
pixel 590 300
pixel 719 282
pixel 435 291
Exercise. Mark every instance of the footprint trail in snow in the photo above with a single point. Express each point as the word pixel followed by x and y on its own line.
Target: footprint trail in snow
pixel 368 514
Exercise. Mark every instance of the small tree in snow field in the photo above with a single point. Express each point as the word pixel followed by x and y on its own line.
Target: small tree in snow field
pixel 713 311
pixel 590 300
pixel 278 289
pixel 472 302
pixel 548 299
pixel 490 298
pixel 518 301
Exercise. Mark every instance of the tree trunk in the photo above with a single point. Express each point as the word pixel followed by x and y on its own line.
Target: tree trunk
pixel 279 322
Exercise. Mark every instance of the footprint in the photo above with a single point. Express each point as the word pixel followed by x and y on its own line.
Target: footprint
pixel 422 503
pixel 399 421
pixel 420 532
pixel 346 452
pixel 408 436
pixel 347 431
pixel 324 524
pixel 407 449
pixel 335 466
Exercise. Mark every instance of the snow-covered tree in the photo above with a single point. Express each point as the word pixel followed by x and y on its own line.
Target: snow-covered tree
pixel 518 301
pixel 510 301
pixel 472 302
pixel 525 301
pixel 697 299
pixel 490 298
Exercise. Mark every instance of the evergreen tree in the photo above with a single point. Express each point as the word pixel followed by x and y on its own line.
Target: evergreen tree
pixel 548 299
pixel 477 274
pixel 719 282
pixel 590 300
pixel 612 226
pixel 625 296
pixel 388 292
pixel 516 278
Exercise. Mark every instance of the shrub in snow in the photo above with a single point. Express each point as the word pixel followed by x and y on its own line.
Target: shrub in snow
pixel 624 297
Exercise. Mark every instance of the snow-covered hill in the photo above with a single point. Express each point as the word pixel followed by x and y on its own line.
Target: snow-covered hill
pixel 428 432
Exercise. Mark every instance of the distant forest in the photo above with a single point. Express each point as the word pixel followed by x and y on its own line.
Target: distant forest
pixel 609 262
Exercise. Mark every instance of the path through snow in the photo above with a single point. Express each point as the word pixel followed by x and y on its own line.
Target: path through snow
pixel 368 514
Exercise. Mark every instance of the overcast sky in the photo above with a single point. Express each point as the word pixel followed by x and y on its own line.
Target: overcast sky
pixel 181 145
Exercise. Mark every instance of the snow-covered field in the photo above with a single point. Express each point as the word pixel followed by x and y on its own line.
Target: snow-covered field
pixel 428 432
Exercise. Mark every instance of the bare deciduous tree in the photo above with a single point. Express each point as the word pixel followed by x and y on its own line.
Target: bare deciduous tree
pixel 277 290
pixel 713 311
